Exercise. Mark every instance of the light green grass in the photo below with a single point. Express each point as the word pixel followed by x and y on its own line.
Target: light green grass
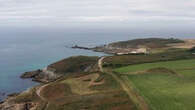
pixel 168 64
pixel 165 91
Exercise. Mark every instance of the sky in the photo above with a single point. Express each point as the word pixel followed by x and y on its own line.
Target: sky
pixel 102 13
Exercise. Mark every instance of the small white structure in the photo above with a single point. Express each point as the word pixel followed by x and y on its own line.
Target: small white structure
pixel 122 53
pixel 134 52
pixel 141 50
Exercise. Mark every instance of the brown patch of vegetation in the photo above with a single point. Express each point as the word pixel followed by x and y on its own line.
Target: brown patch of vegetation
pixel 189 43
pixel 98 101
pixel 60 95
pixel 108 95
pixel 161 70
pixel 27 96
pixel 55 91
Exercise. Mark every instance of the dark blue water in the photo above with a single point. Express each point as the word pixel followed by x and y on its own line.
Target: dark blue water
pixel 28 50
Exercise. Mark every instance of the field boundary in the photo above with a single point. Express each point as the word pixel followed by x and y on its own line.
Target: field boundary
pixel 137 99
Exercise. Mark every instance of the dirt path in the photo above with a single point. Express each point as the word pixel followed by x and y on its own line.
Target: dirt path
pixel 138 100
pixel 100 62
pixel 38 92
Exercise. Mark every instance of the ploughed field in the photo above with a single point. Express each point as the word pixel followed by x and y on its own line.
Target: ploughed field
pixel 168 85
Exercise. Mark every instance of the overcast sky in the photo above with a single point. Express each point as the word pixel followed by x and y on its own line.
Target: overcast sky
pixel 126 13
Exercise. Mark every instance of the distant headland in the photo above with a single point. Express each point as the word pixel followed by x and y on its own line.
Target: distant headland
pixel 90 82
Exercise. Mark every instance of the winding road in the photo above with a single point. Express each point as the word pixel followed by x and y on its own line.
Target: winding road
pixel 138 100
pixel 38 92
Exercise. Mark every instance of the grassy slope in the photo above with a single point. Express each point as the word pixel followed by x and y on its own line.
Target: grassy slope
pixel 165 91
pixel 148 42
pixel 79 90
pixel 106 96
pixel 65 95
pixel 74 64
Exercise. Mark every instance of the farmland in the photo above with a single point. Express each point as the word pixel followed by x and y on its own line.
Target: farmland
pixel 125 60
pixel 164 85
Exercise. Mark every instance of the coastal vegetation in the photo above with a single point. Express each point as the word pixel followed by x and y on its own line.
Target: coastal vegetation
pixel 84 91
pixel 147 42
pixel 139 46
pixel 74 64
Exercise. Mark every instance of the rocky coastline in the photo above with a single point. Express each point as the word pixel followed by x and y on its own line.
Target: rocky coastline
pixel 41 75
pixel 44 76
pixel 109 49
pixel 10 104
pixel 48 75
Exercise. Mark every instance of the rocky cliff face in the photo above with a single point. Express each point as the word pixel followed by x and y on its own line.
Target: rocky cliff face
pixel 45 75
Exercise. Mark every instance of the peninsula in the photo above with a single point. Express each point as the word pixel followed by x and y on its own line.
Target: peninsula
pixel 142 74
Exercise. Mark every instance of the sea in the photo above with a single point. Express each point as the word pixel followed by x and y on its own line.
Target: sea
pixel 26 50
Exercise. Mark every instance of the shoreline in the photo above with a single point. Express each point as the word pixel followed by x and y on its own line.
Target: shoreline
pixel 47 75
pixel 102 49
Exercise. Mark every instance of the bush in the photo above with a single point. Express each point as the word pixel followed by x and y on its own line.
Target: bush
pixel 192 50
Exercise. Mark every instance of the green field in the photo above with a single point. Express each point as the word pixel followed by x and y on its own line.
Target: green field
pixel 160 88
pixel 169 55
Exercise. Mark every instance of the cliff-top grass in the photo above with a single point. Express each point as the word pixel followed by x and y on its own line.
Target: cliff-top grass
pixel 160 89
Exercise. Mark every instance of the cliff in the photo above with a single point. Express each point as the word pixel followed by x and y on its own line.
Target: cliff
pixel 76 64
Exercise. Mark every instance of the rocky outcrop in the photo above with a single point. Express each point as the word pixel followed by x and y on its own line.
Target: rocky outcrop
pixel 45 75
pixel 80 47
pixel 31 74
pixel 10 104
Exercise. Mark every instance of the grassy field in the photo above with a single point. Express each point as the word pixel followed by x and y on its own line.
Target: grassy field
pixel 124 60
pixel 161 89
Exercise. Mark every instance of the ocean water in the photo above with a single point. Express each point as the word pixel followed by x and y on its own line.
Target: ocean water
pixel 22 51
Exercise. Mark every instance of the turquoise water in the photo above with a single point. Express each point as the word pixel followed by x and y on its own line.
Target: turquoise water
pixel 29 50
